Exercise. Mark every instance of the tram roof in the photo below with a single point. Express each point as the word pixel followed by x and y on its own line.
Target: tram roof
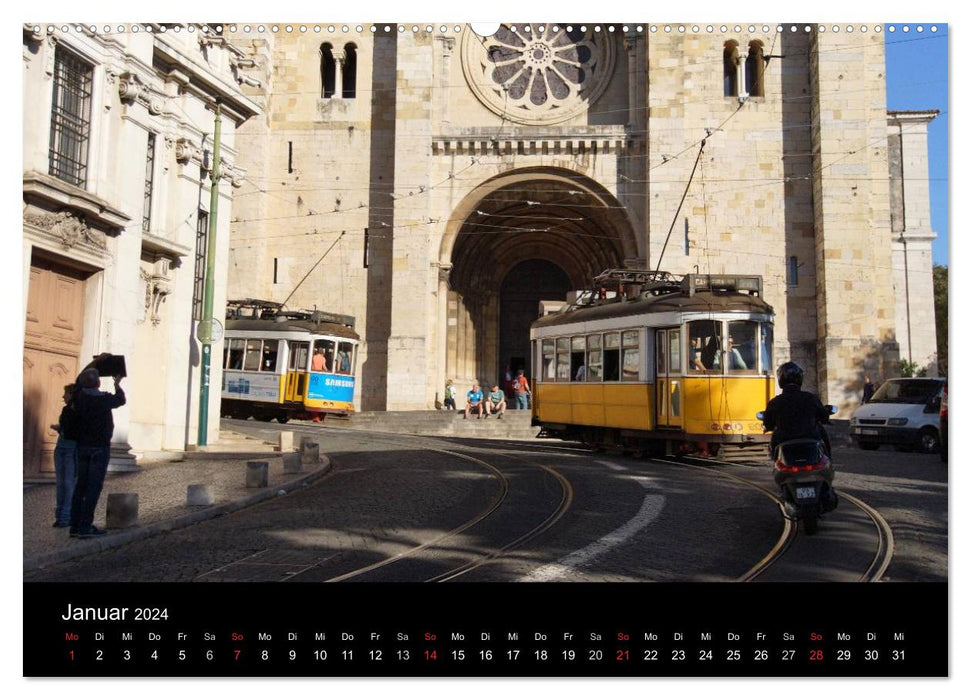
pixel 292 326
pixel 699 302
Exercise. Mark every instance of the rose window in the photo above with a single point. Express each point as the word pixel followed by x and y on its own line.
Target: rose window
pixel 538 73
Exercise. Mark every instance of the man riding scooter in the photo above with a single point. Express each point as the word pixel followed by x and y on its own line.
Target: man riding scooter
pixel 796 419
pixel 795 414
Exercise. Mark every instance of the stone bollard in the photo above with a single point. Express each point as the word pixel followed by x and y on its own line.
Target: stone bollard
pixel 286 441
pixel 292 463
pixel 122 510
pixel 198 495
pixel 257 475
pixel 309 453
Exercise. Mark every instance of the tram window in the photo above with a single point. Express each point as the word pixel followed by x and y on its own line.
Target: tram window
pixel 563 359
pixel 704 341
pixel 345 356
pixel 549 353
pixel 236 348
pixel 298 357
pixel 741 345
pixel 270 353
pixel 766 334
pixel 251 363
pixel 631 356
pixel 594 358
pixel 611 357
pixel 323 360
pixel 578 360
pixel 674 338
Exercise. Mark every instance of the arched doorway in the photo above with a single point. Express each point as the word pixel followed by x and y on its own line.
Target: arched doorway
pixel 527 284
pixel 520 238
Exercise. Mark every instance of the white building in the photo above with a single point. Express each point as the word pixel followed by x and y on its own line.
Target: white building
pixel 118 134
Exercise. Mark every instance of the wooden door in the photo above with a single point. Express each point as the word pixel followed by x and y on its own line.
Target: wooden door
pixel 52 348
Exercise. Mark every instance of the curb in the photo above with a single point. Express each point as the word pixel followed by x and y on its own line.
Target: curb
pixel 111 541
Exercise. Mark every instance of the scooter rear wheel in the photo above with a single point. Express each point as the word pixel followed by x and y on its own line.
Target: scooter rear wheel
pixel 810 523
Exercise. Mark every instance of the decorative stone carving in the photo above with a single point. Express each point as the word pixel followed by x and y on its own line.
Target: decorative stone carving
pixel 68 228
pixel 156 290
pixel 132 89
pixel 540 73
pixel 234 174
pixel 186 151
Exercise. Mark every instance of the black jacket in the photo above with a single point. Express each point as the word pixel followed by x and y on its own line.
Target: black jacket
pixel 794 414
pixel 95 424
pixel 68 423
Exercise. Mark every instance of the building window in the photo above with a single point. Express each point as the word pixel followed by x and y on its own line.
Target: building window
pixel 349 73
pixel 149 184
pixel 755 70
pixel 792 273
pixel 70 118
pixel 199 278
pixel 730 68
pixel 328 71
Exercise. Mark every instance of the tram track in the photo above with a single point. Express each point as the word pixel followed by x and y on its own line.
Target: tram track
pixel 495 552
pixel 884 550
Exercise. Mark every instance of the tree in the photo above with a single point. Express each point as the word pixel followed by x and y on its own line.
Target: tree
pixel 940 312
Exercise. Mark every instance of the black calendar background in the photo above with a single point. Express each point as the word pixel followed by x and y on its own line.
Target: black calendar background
pixel 561 629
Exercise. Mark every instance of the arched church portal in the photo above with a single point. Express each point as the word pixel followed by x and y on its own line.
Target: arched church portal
pixel 528 238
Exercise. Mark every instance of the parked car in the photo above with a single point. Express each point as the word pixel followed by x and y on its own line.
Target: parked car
pixel 944 424
pixel 905 413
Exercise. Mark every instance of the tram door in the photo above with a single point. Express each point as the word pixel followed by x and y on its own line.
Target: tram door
pixel 670 379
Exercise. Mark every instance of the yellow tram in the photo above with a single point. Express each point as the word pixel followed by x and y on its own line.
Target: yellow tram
pixel 658 364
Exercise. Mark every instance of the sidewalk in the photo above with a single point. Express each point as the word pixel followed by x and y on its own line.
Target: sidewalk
pixel 161 489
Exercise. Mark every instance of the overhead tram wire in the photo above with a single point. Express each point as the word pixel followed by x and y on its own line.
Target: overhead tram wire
pixel 674 220
pixel 319 260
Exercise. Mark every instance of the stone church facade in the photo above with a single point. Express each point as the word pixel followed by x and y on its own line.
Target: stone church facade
pixel 117 140
pixel 437 185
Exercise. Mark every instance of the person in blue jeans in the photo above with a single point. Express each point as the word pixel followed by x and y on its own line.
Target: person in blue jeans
pixel 65 458
pixel 520 387
pixel 94 429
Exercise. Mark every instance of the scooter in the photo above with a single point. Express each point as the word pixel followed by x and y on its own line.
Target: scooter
pixel 804 472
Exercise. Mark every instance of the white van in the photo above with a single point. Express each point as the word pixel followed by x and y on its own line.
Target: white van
pixel 904 413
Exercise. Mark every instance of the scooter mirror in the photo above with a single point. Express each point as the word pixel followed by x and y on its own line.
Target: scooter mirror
pixel 760 415
pixel 832 409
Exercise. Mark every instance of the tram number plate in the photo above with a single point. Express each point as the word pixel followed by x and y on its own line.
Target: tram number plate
pixel 805 492
pixel 869 432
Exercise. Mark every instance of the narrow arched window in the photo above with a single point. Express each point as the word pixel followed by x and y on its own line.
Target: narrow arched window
pixel 349 76
pixel 730 68
pixel 328 71
pixel 755 70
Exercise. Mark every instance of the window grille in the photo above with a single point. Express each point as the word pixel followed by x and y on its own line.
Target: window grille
pixel 149 184
pixel 199 278
pixel 70 118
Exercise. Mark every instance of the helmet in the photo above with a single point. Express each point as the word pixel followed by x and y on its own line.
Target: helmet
pixel 789 373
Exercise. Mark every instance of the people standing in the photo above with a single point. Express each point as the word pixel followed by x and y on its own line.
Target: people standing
pixel 318 363
pixel 449 395
pixel 65 458
pixel 95 426
pixel 868 389
pixel 520 387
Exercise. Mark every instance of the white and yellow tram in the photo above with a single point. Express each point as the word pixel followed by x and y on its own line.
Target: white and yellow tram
pixel 286 364
pixel 657 364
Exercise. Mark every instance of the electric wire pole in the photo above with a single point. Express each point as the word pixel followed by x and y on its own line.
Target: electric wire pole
pixel 204 331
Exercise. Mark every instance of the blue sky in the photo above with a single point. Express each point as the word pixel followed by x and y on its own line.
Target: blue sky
pixel 917 78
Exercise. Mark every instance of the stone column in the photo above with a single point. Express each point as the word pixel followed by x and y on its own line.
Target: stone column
pixel 413 279
pixel 913 275
pixel 851 211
